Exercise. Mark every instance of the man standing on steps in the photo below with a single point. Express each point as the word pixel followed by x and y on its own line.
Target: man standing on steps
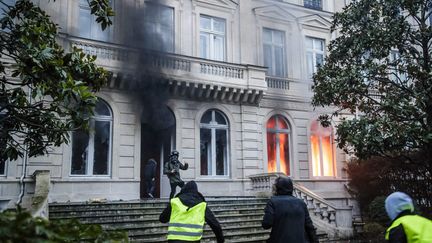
pixel 172 170
pixel 287 216
pixel 186 214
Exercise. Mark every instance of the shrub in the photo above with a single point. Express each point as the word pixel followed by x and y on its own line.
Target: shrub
pixel 380 176
pixel 374 232
pixel 376 211
pixel 20 226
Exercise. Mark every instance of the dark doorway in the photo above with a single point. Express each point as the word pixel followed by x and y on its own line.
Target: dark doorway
pixel 157 141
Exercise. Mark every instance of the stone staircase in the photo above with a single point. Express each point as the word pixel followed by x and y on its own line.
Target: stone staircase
pixel 240 218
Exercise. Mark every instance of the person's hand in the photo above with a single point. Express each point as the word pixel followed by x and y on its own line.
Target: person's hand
pixel 153 179
pixel 186 164
pixel 173 171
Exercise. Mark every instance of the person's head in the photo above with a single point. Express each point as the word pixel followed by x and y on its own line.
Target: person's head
pixel 151 161
pixel 189 187
pixel 398 202
pixel 283 185
pixel 174 155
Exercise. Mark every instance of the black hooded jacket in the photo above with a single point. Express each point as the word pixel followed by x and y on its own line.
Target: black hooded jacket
pixel 190 197
pixel 288 216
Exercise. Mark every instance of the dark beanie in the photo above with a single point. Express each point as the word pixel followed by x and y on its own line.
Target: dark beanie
pixel 191 186
pixel 284 186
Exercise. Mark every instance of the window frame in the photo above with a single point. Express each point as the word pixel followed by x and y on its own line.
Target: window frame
pixel 91 145
pixel 94 27
pixel 314 53
pixel 396 74
pixel 210 50
pixel 277 131
pixel 161 6
pixel 272 69
pixel 213 126
pixel 321 162
pixel 312 4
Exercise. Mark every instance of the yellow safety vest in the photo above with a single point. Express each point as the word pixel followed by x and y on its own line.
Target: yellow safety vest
pixel 417 229
pixel 186 223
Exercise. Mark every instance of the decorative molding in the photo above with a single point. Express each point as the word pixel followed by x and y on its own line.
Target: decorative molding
pixel 315 20
pixel 225 4
pixel 275 12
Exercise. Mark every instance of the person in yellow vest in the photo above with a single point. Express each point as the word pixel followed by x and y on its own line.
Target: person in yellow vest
pixel 406 226
pixel 186 214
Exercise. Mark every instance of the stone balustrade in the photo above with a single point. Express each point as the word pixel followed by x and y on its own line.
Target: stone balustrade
pixel 221 70
pixel 320 208
pixel 165 61
pixel 336 221
pixel 172 65
pixel 277 83
pixel 102 50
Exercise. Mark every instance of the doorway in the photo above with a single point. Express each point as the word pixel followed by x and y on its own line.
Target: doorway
pixel 157 142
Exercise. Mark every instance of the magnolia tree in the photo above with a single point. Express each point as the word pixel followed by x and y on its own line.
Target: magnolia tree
pixel 379 68
pixel 44 91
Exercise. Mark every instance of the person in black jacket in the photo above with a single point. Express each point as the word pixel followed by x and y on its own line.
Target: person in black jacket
pixel 172 170
pixel 150 176
pixel 190 197
pixel 287 216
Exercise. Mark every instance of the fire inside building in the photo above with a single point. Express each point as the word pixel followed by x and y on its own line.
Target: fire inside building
pixel 227 83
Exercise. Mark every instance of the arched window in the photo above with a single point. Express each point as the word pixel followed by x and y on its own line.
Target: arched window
pixel 322 150
pixel 214 143
pixel 278 145
pixel 91 150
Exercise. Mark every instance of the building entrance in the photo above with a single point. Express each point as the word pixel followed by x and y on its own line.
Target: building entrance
pixel 157 142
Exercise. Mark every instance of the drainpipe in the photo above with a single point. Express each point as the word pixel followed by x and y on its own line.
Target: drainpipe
pixel 24 167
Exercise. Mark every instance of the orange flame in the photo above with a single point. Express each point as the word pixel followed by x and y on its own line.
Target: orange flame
pixel 322 156
pixel 283 150
pixel 272 148
pixel 327 154
pixel 271 151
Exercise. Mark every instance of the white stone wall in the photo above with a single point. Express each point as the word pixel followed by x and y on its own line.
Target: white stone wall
pixel 245 21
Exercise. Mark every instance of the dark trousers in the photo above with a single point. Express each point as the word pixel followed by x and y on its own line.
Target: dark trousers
pixel 150 187
pixel 173 187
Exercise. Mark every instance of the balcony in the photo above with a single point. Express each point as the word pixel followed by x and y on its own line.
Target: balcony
pixel 185 76
pixel 289 87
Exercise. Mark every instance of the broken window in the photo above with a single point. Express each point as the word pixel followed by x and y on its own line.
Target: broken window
pixel 278 145
pixel 321 139
pixel 91 150
pixel 214 144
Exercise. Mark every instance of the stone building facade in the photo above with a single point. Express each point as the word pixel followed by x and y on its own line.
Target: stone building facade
pixel 227 83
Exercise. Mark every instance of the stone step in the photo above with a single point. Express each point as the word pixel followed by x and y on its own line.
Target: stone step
pixel 154 202
pixel 154 217
pixel 150 226
pixel 240 218
pixel 142 214
pixel 147 210
pixel 142 206
pixel 229 237
pixel 230 230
